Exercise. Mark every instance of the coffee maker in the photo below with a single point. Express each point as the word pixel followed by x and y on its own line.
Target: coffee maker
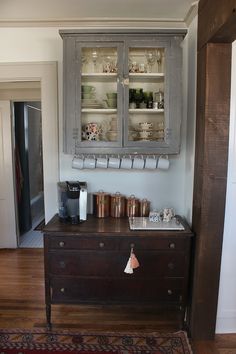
pixel 72 201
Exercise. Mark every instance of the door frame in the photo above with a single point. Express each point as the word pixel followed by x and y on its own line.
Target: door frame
pixel 46 74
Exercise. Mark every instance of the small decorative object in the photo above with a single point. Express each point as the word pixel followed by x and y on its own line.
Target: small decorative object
pixel 155 216
pixel 168 214
pixel 132 263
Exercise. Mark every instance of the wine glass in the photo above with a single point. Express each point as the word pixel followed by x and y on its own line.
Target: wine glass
pixel 94 57
pixel 159 59
pixel 151 58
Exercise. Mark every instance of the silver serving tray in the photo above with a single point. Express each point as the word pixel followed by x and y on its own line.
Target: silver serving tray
pixel 143 223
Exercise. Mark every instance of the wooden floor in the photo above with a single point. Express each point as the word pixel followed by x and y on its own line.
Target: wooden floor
pixel 22 306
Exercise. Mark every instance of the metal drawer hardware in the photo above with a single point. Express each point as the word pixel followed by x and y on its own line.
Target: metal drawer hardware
pixel 101 244
pixel 171 265
pixel 62 264
pixel 169 292
pixel 61 243
pixel 62 290
pixel 172 245
pixel 132 245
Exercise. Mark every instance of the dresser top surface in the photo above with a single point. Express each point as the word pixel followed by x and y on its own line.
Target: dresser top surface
pixel 110 226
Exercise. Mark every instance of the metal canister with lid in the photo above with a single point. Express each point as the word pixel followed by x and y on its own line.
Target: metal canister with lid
pixel 144 207
pixel 101 204
pixel 132 207
pixel 117 209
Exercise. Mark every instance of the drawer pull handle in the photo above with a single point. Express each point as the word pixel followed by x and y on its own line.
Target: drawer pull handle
pixel 62 244
pixel 101 244
pixel 62 290
pixel 171 265
pixel 172 245
pixel 62 264
pixel 132 245
pixel 169 292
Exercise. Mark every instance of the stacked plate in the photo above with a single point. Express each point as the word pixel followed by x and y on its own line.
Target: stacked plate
pixel 91 103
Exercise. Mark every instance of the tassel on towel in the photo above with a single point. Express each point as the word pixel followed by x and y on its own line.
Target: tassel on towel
pixel 132 263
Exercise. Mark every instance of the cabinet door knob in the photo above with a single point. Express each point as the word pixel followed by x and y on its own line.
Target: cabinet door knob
pixel 61 243
pixel 62 290
pixel 171 265
pixel 132 245
pixel 172 245
pixel 169 292
pixel 101 244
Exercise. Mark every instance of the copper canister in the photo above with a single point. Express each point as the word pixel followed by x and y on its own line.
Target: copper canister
pixel 101 204
pixel 132 206
pixel 144 207
pixel 117 209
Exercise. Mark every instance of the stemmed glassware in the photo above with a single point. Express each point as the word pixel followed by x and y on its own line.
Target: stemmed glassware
pixel 151 58
pixel 94 58
pixel 159 59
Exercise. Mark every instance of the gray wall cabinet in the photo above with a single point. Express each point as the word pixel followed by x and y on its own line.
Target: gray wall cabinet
pixel 122 91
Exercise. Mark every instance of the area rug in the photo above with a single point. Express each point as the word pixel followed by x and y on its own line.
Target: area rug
pixel 47 342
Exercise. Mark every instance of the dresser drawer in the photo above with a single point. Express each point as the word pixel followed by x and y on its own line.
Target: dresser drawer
pixel 116 290
pixel 148 290
pixel 108 263
pixel 81 243
pixel 154 243
pixel 73 289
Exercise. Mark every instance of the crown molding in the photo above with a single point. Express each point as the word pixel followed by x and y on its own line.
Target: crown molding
pixel 96 23
pixel 191 14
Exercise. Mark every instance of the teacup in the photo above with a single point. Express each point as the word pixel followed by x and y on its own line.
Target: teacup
pixel 114 162
pixel 151 163
pixel 88 89
pixel 102 162
pixel 87 96
pixel 126 162
pixel 78 162
pixel 112 95
pixel 145 134
pixel 90 162
pixel 146 125
pixel 163 163
pixel 138 162
pixel 111 102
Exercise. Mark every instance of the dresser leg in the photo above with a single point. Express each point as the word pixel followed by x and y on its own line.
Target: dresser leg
pixel 48 316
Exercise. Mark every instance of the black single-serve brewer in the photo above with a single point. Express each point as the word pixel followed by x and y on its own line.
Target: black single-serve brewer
pixel 72 201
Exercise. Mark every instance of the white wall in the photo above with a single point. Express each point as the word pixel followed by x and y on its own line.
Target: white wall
pixel 163 188
pixel 226 315
pixel 190 63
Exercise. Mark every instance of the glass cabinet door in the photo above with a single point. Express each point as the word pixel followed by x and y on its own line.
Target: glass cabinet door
pixel 146 94
pixel 99 94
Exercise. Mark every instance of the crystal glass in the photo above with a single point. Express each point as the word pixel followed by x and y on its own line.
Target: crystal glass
pixel 151 59
pixel 159 59
pixel 95 58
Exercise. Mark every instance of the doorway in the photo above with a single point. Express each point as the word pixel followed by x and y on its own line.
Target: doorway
pixel 46 74
pixel 27 130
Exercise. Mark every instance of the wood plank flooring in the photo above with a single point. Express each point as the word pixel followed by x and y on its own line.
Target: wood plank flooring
pixel 22 306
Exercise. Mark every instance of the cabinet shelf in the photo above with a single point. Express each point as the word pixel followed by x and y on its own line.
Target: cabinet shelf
pixel 99 110
pixel 99 76
pixel 145 110
pixel 156 77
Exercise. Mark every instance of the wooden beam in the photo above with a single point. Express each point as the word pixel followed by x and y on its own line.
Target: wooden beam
pixel 216 21
pixel 212 127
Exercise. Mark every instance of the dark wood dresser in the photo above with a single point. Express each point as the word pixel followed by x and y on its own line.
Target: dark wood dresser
pixel 85 264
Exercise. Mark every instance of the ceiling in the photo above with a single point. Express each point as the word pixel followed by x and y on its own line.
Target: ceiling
pixel 68 10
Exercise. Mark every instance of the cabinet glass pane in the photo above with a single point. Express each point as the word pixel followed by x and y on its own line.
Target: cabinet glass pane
pixel 146 94
pixel 99 94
